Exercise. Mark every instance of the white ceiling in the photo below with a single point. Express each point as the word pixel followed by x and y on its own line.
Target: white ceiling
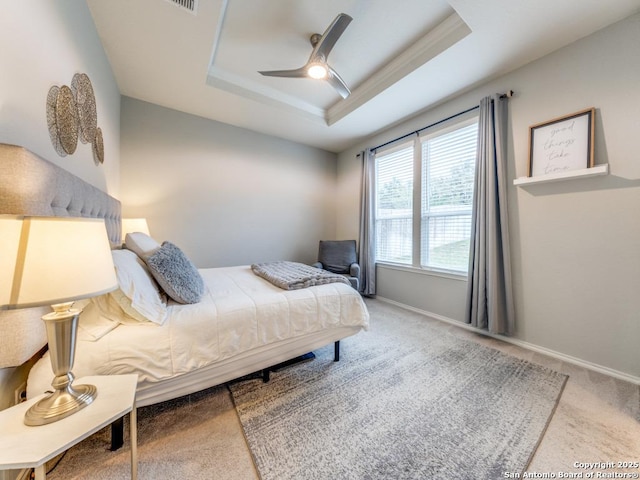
pixel 398 57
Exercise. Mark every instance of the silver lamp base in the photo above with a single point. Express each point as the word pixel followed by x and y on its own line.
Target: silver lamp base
pixel 60 404
pixel 66 399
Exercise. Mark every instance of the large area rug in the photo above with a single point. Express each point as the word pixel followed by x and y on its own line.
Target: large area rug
pixel 408 400
pixel 403 403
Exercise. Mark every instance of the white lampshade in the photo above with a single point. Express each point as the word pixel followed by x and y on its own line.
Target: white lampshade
pixel 130 225
pixel 51 260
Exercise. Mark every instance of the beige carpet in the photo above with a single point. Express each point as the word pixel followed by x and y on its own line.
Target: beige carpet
pixel 200 437
pixel 410 405
pixel 194 437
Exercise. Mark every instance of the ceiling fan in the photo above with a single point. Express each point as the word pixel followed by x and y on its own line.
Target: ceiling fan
pixel 317 66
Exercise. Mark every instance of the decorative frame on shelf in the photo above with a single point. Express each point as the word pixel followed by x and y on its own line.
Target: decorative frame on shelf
pixel 562 144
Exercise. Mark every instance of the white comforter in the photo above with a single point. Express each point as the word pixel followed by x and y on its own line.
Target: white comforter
pixel 240 312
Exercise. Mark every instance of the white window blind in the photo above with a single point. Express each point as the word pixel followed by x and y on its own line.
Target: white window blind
pixel 448 169
pixel 394 205
pixel 424 196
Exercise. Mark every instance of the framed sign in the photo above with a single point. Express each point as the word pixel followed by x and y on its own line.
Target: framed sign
pixel 562 144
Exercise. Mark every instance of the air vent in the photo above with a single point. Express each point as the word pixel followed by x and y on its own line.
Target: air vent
pixel 189 5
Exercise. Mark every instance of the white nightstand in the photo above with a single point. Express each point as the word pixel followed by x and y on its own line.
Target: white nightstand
pixel 31 447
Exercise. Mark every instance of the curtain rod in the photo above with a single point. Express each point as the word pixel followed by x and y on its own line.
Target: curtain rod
pixel 415 132
pixel 509 94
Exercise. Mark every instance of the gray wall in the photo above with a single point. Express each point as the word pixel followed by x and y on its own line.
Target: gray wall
pixel 575 244
pixel 44 44
pixel 225 195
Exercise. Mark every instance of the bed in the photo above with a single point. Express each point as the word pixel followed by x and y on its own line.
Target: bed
pixel 242 323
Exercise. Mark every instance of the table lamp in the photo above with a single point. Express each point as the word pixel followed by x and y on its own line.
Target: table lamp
pixel 130 225
pixel 55 261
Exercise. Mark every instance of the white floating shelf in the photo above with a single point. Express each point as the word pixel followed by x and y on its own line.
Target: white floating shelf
pixel 555 177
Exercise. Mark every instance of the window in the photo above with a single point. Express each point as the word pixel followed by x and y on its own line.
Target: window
pixel 424 195
pixel 394 205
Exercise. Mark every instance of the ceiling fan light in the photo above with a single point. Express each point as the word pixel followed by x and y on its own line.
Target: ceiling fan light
pixel 317 71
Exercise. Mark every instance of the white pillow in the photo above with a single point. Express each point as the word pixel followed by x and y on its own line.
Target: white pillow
pixel 141 243
pixel 109 308
pixel 141 297
pixel 92 325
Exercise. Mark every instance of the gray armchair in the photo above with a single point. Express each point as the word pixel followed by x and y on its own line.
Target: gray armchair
pixel 339 256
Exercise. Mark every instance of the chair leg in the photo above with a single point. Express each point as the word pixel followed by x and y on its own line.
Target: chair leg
pixel 336 351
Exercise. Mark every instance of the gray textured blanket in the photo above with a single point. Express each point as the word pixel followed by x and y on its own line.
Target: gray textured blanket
pixel 293 275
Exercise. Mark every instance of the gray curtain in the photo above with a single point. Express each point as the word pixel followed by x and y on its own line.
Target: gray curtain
pixel 367 226
pixel 489 290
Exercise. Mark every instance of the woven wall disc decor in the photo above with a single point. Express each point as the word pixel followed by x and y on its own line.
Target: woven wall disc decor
pixel 71 116
pixel 67 119
pixel 52 97
pixel 98 147
pixel 86 103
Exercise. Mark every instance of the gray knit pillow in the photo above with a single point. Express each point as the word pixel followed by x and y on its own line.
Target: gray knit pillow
pixel 175 273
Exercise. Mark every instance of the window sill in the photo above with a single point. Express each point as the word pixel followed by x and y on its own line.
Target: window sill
pixel 451 275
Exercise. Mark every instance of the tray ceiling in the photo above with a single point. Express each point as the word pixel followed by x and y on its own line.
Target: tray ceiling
pixel 398 57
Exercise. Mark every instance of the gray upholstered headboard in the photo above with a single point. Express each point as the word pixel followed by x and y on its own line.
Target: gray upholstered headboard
pixel 29 185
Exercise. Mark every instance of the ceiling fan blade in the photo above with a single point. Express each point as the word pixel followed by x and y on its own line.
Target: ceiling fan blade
pixel 331 36
pixel 319 56
pixel 336 82
pixel 297 73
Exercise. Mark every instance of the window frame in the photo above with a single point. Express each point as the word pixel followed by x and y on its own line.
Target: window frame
pixel 417 214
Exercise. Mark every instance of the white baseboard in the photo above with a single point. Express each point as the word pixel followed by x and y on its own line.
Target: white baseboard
pixel 529 346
